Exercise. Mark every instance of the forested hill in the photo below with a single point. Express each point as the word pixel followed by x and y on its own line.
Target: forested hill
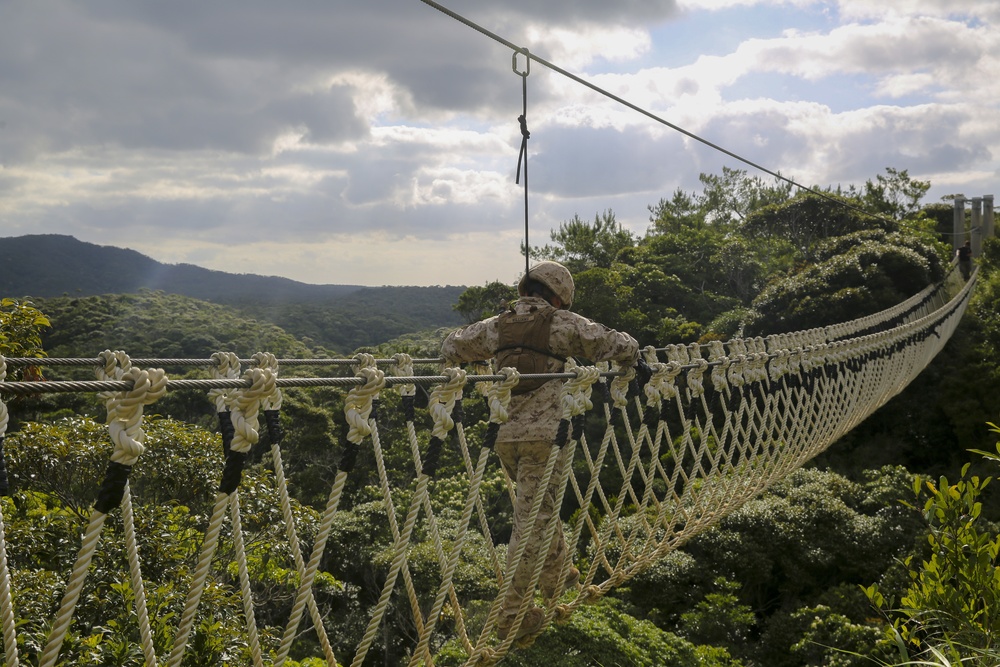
pixel 339 318
pixel 44 265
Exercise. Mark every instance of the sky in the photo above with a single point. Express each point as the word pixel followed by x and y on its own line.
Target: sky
pixel 375 142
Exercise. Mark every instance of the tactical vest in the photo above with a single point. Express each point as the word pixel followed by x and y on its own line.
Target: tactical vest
pixel 524 344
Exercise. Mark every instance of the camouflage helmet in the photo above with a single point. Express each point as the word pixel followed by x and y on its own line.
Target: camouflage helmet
pixel 553 275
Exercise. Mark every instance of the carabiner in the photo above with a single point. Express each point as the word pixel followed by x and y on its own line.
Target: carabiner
pixel 527 66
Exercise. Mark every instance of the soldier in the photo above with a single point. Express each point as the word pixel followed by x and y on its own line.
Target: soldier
pixel 965 260
pixel 536 335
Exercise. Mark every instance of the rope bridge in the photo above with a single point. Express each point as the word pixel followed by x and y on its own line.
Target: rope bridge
pixel 712 426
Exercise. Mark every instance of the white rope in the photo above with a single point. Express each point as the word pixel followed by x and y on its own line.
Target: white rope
pixel 198 581
pixel 244 406
pixel 226 366
pixel 6 601
pixel 125 426
pixel 273 402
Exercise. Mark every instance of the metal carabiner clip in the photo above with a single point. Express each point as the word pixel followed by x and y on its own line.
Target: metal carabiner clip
pixel 527 66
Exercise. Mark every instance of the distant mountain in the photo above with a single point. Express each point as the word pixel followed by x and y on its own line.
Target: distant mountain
pixel 338 317
pixel 45 265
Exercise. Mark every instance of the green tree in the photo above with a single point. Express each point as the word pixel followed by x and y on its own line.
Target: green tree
pixel 55 472
pixel 808 544
pixel 895 194
pixel 580 245
pixel 477 303
pixel 682 211
pixel 21 327
pixel 952 604
pixel 856 275
pixel 807 219
pixel 605 634
pixel 728 199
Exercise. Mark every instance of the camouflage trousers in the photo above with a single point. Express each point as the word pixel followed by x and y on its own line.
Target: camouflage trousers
pixel 525 463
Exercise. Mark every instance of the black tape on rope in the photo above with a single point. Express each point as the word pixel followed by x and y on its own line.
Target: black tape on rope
pixel 491 435
pixel 232 475
pixel 227 430
pixel 605 392
pixel 562 435
pixel 433 457
pixel 349 458
pixel 578 421
pixel 4 483
pixel 273 420
pixel 634 389
pixel 113 487
pixel 408 408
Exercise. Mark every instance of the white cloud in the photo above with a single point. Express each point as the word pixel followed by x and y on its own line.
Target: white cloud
pixel 314 127
pixel 864 9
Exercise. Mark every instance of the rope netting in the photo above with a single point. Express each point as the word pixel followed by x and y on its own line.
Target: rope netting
pixel 713 426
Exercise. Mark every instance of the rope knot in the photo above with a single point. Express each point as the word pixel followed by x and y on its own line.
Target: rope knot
pixel 244 404
pixel 267 360
pixel 590 594
pixel 778 365
pixel 524 126
pixel 442 401
pixel 717 354
pixel 499 394
pixel 620 384
pixel 226 366
pixel 669 387
pixel 125 412
pixel 402 365
pixel 358 404
pixel 562 614
pixel 575 395
pixel 696 377
pixel 735 372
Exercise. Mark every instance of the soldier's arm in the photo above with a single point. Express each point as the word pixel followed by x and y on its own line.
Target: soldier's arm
pixel 470 343
pixel 601 343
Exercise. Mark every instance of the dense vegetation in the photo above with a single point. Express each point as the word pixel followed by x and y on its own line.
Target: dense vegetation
pixel 86 283
pixel 880 552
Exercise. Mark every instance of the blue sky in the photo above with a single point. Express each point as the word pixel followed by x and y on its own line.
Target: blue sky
pixel 375 142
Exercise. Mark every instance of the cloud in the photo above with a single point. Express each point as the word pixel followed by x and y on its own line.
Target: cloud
pixel 320 139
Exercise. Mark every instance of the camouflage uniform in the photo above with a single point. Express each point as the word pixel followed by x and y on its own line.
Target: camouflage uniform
pixel 526 439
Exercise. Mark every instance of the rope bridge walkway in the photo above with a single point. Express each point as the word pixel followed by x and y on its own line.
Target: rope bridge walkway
pixel 712 427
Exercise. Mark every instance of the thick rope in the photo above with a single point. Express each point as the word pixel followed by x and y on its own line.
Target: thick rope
pixel 125 427
pixel 271 403
pixel 309 574
pixel 245 590
pixel 6 601
pixel 198 581
pixel 244 406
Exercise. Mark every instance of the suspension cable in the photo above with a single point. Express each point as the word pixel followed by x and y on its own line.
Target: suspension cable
pixel 555 68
